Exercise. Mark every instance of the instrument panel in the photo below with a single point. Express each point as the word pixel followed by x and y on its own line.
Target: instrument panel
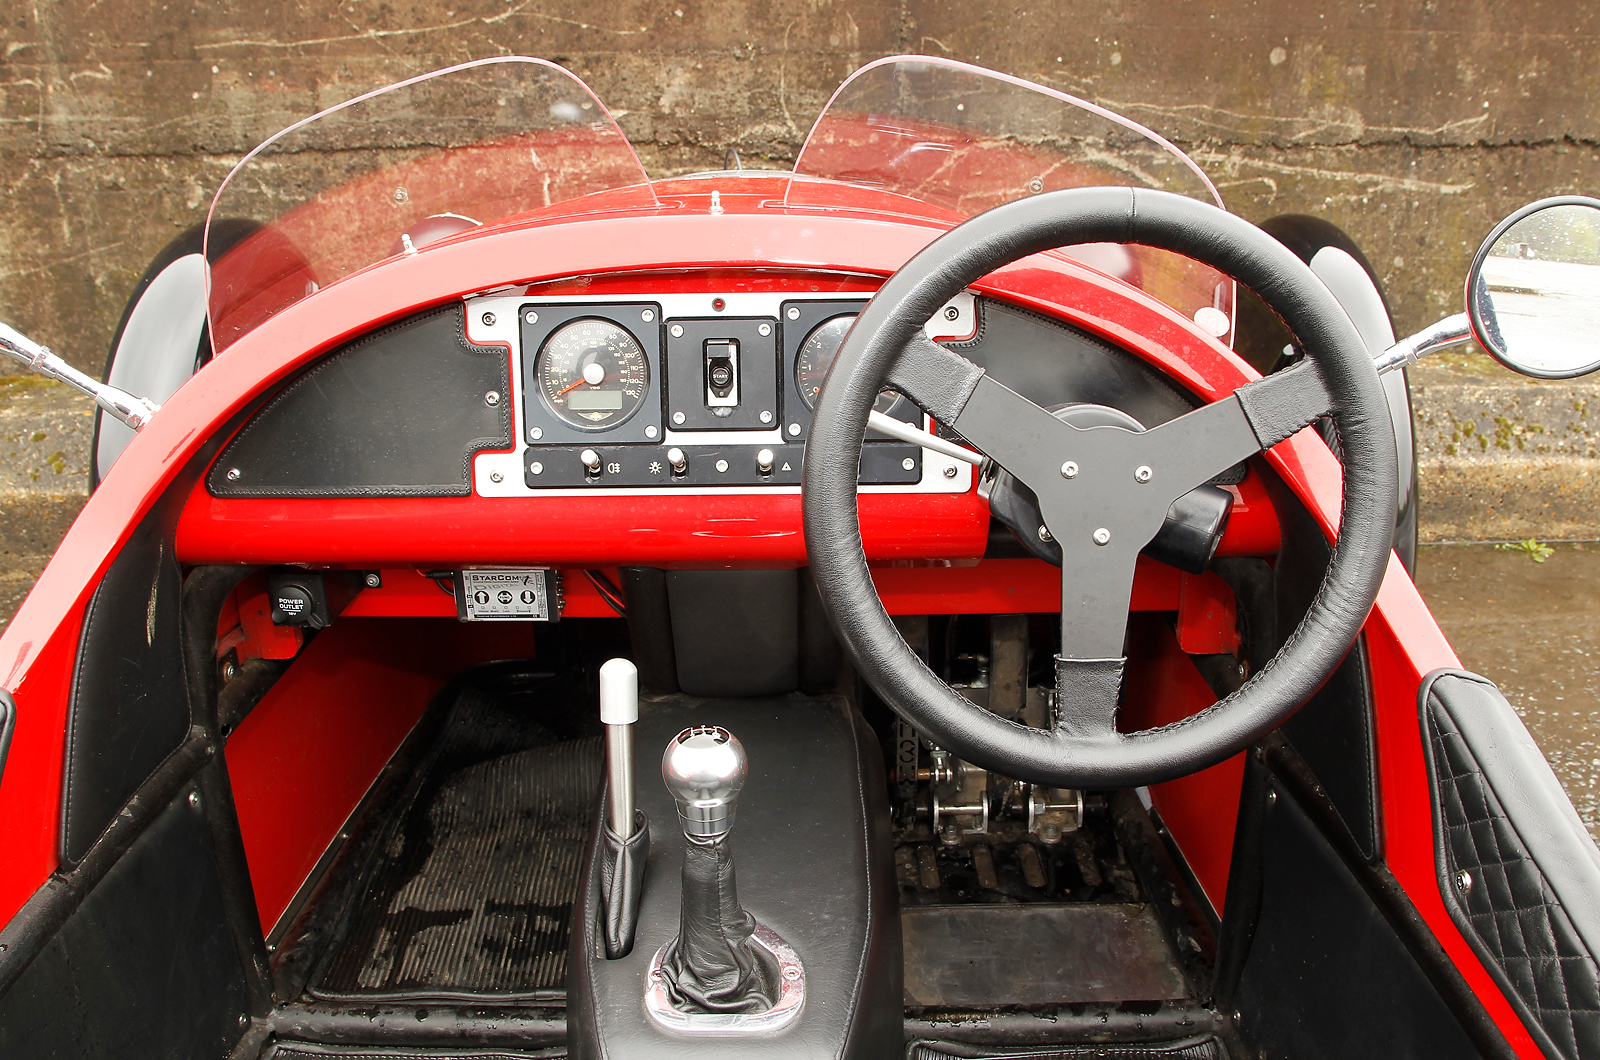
pixel 686 392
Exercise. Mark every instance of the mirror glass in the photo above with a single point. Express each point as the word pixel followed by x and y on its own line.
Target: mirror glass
pixel 1534 292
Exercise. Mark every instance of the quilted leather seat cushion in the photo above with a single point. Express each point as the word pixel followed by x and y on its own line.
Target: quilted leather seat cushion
pixel 1517 869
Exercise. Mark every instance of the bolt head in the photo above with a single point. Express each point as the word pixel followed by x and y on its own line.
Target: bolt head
pixel 531 317
pixel 495 476
pixel 1142 473
pixel 722 465
pixel 373 579
pixel 536 468
pixel 1464 882
pixel 950 471
pixel 908 463
pixel 677 331
pixel 764 329
pixel 536 433
pixel 648 315
pixel 793 313
pixel 488 320
pixel 1102 536
pixel 952 313
pixel 766 416
pixel 1069 469
pixel 651 431
pixel 794 430
pixel 233 474
pixel 677 417
pixel 1044 533
pixel 194 799
pixel 230 670
pixel 791 972
pixel 492 398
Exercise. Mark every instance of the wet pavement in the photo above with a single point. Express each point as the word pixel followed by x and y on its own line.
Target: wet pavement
pixel 1534 629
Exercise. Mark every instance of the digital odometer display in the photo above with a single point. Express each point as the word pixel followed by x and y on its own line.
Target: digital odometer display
pixel 593 374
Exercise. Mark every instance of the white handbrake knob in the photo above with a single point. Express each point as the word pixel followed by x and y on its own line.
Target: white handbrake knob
pixel 619 692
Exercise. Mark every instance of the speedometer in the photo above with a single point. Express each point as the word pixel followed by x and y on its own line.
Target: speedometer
pixel 593 374
pixel 816 356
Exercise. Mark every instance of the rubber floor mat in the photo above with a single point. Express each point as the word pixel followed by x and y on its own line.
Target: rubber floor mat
pixel 471 893
pixel 297 1051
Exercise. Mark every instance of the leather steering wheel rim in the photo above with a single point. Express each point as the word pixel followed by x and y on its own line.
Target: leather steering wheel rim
pixel 885 348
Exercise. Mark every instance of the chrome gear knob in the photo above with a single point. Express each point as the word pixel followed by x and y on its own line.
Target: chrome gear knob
pixel 704 768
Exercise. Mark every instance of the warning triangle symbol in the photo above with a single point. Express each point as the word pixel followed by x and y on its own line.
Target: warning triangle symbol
pixel 786 465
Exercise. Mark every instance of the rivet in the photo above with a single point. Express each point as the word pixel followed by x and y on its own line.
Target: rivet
pixel 764 329
pixel 488 320
pixel 677 331
pixel 794 430
pixel 492 398
pixel 950 471
pixel 793 313
pixel 1102 536
pixel 677 417
pixel 1044 533
pixel 531 317
pixel 651 431
pixel 908 463
pixel 233 474
pixel 536 468
pixel 766 417
pixel 1142 473
pixel 1069 469
pixel 1464 882
pixel 536 433
pixel 495 476
pixel 648 315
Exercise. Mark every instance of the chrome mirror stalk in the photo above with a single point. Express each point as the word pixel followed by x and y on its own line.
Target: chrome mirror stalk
pixel 133 411
pixel 1441 335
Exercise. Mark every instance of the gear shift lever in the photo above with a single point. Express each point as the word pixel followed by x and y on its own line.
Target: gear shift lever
pixel 712 966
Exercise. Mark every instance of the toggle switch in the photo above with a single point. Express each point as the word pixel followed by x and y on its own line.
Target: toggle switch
pixel 591 462
pixel 679 462
pixel 764 461
pixel 722 373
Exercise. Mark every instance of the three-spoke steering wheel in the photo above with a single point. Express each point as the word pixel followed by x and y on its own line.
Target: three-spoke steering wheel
pixel 1104 492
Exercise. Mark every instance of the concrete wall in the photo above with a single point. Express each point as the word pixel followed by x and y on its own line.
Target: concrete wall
pixel 1413 123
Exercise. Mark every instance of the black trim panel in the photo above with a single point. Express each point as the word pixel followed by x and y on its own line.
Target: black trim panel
pixel 396 413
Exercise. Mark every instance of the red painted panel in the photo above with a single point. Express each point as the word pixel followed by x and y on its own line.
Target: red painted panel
pixel 1200 810
pixel 308 752
pixel 1005 587
pixel 406 593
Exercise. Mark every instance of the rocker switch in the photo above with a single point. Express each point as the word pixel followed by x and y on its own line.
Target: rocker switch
pixel 722 374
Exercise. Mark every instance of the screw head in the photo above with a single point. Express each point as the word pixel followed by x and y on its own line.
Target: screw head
pixel 1044 533
pixel 766 417
pixel 230 670
pixel 536 433
pixel 233 474
pixel 764 329
pixel 495 476
pixel 373 579
pixel 1036 185
pixel 1464 882
pixel 793 313
pixel 1102 536
pixel 244 1021
pixel 1142 473
pixel 950 471
pixel 488 320
pixel 651 431
pixel 722 465
pixel 492 398
pixel 536 468
pixel 794 430
pixel 908 463
pixel 648 315
pixel 677 331
pixel 677 417
pixel 1069 469
pixel 194 799
pixel 401 195
pixel 952 313
pixel 531 317
pixel 791 972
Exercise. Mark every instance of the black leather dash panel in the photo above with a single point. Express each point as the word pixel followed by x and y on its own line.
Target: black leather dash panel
pixel 396 413
pixel 1517 869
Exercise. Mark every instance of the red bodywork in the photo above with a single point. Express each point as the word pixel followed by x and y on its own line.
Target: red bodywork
pixel 756 242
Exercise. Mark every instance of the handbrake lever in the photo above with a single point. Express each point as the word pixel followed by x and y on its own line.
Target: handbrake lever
pixel 625 844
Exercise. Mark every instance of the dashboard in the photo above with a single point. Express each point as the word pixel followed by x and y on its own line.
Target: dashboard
pixel 686 392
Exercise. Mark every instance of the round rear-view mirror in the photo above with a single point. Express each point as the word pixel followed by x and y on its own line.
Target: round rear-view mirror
pixel 1533 292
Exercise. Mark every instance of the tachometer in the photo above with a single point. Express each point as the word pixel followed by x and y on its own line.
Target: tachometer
pixel 593 374
pixel 818 352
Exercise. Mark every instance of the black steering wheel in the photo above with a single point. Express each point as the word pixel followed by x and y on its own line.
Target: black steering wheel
pixel 1103 491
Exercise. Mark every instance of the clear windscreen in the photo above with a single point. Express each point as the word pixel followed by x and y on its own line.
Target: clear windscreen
pixel 966 140
pixel 390 171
